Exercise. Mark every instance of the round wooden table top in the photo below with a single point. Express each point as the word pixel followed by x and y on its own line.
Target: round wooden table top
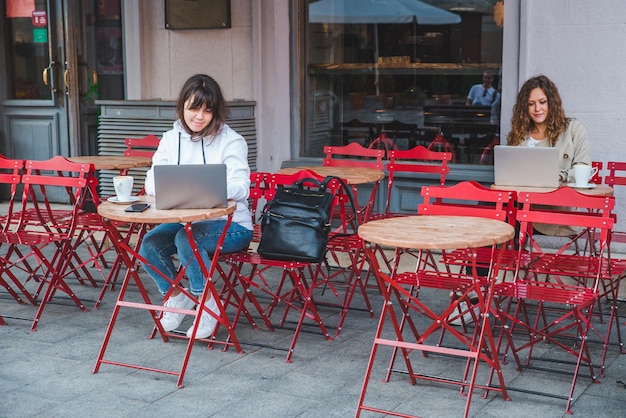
pixel 113 162
pixel 352 175
pixel 436 232
pixel 152 215
pixel 597 190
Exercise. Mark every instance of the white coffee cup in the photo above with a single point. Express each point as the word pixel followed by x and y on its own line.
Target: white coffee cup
pixel 583 174
pixel 123 187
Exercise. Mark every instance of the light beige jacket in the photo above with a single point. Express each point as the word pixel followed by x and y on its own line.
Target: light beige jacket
pixel 574 147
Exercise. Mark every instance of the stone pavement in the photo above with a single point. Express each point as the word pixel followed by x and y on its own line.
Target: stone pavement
pixel 49 372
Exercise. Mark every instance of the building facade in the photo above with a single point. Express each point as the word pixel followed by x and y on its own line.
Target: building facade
pixel 260 57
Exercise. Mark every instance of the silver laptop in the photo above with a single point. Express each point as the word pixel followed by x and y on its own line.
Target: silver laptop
pixel 190 186
pixel 526 166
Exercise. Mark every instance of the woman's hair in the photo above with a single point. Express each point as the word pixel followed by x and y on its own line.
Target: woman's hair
pixel 205 92
pixel 521 123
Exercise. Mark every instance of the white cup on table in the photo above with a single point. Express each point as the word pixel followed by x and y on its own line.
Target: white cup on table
pixel 583 174
pixel 123 186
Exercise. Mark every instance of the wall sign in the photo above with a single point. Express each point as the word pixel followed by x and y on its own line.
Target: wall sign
pixel 197 14
pixel 40 18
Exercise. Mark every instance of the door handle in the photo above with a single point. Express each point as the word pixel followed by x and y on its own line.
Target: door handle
pixel 66 78
pixel 47 76
pixel 94 77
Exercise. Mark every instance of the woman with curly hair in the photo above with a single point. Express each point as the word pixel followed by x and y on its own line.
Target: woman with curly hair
pixel 539 121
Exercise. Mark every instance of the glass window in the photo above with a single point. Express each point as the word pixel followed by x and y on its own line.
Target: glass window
pixel 406 71
pixel 28 49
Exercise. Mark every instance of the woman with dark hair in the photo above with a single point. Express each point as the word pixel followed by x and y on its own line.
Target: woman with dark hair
pixel 539 121
pixel 200 135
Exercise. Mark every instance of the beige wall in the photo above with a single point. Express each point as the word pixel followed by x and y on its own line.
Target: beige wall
pixel 251 61
pixel 169 57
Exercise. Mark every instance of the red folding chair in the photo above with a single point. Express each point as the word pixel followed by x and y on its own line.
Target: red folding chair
pixel 294 289
pixel 353 155
pixel 141 147
pixel 418 160
pixel 467 198
pixel 10 174
pixel 38 180
pixel 556 302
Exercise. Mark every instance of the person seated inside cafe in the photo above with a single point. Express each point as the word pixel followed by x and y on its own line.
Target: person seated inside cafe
pixel 482 94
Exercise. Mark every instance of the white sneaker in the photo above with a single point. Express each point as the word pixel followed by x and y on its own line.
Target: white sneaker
pixel 170 320
pixel 207 322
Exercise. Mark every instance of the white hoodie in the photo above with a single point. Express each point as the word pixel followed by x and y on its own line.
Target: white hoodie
pixel 227 147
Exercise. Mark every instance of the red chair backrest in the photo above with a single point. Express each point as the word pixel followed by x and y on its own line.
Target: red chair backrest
pixel 353 155
pixel 10 174
pixel 56 172
pixel 597 178
pixel 420 160
pixel 613 178
pixel 566 206
pixel 257 193
pixel 467 198
pixel 141 147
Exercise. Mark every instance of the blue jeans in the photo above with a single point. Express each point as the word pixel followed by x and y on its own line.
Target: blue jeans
pixel 165 240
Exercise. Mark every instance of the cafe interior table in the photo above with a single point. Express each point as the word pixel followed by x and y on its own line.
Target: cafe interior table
pixel 111 212
pixel 400 289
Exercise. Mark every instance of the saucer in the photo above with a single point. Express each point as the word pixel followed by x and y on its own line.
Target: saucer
pixel 114 199
pixel 587 186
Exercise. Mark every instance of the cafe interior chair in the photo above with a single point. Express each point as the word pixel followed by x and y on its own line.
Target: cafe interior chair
pixel 356 131
pixel 383 142
pixel 486 157
pixel 250 288
pixel 556 303
pixel 440 143
pixel 48 241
